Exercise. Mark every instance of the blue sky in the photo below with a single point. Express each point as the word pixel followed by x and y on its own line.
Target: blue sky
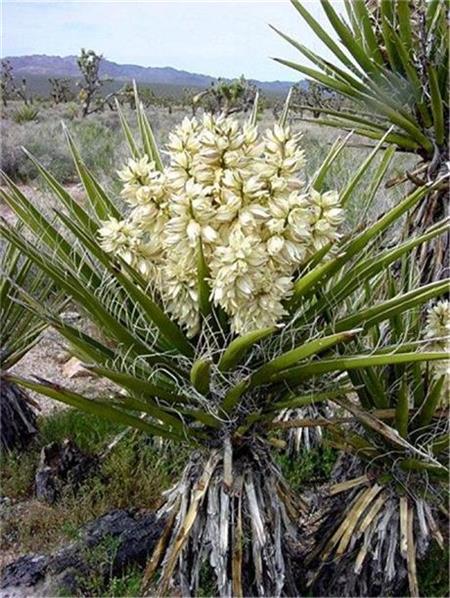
pixel 212 37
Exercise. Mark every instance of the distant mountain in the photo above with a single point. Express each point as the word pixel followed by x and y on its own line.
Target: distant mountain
pixel 66 66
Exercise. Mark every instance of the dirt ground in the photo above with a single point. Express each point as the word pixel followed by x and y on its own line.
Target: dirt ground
pixel 48 359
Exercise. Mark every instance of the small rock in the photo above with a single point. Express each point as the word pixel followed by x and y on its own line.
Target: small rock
pixel 5 505
pixel 70 316
pixel 62 357
pixel 26 572
pixel 74 369
pixel 120 538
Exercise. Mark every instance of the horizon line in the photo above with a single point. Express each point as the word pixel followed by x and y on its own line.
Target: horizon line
pixel 181 70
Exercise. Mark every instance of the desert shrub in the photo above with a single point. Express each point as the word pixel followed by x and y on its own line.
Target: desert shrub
pixel 46 141
pixel 43 139
pixel 66 111
pixel 98 143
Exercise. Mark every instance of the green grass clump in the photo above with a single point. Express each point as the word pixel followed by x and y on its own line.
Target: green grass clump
pixel 18 468
pixel 308 467
pixel 433 572
pixel 17 471
pixel 89 434
pixel 98 580
pixel 127 584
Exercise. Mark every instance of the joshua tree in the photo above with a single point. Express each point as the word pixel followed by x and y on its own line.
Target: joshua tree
pixel 315 98
pixel 187 100
pixel 20 330
pixel 7 82
pixel 146 95
pixel 126 95
pixel 60 91
pixel 9 89
pixel 227 97
pixel 167 103
pixel 23 93
pixel 89 65
pixel 393 62
pixel 91 84
pixel 227 294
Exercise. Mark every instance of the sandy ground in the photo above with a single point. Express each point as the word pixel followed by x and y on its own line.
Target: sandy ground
pixel 47 360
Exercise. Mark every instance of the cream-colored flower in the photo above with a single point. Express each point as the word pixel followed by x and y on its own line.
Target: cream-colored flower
pixel 143 183
pixel 179 290
pixel 289 222
pixel 240 195
pixel 234 268
pixel 118 235
pixel 191 214
pixel 326 216
pixel 438 321
pixel 265 306
pixel 184 138
pixel 283 156
pixel 124 239
pixel 137 171
pixel 437 330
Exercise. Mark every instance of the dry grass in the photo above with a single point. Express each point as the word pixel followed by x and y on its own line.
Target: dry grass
pixel 132 476
pixel 103 148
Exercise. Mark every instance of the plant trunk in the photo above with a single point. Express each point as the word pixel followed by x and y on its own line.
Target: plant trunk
pixel 369 537
pixel 17 418
pixel 223 498
pixel 433 257
pixel 299 438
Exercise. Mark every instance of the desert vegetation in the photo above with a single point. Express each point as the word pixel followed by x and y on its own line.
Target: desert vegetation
pixel 250 297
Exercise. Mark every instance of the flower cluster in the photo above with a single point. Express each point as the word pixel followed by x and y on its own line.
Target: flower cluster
pixel 235 196
pixel 437 329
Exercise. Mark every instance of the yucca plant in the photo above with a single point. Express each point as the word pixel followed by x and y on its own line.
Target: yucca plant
pixel 391 60
pixel 213 293
pixel 25 114
pixel 19 332
pixel 389 500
